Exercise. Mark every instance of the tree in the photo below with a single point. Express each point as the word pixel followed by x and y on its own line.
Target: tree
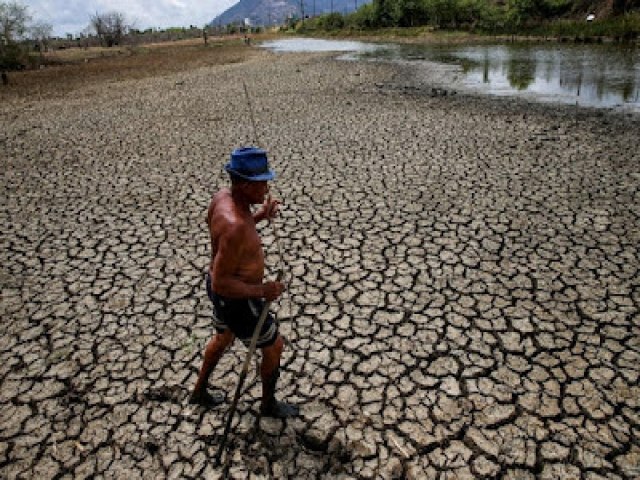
pixel 621 6
pixel 409 13
pixel 13 24
pixel 442 13
pixel 383 13
pixel 40 32
pixel 520 12
pixel 13 21
pixel 331 21
pixel 110 27
pixel 364 17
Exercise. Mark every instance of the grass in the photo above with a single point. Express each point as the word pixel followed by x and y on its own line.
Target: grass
pixel 68 71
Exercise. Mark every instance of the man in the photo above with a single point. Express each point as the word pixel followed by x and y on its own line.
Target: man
pixel 235 280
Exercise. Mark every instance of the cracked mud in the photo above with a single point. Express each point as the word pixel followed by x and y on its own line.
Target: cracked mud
pixel 464 284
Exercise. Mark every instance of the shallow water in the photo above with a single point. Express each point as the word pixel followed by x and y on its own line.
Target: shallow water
pixel 605 76
pixel 318 45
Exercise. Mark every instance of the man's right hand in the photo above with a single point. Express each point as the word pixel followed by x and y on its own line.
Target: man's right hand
pixel 272 290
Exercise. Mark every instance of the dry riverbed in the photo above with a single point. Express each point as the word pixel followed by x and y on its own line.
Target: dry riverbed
pixel 464 284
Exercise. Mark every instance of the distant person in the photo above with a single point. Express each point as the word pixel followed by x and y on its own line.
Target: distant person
pixel 235 279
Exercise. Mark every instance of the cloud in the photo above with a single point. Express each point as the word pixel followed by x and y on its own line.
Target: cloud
pixel 72 16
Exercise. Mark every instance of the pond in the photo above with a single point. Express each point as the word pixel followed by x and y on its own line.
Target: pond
pixel 595 75
pixel 291 45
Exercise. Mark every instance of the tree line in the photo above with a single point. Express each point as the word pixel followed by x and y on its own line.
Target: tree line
pixel 488 16
pixel 19 32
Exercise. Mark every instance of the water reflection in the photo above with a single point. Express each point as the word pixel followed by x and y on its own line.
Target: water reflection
pixel 520 73
pixel 592 75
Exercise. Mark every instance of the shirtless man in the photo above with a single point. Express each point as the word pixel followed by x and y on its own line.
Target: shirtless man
pixel 235 280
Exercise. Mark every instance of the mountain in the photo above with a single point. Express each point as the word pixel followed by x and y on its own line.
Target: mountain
pixel 276 12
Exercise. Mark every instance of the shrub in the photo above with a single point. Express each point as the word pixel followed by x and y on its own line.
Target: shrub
pixel 363 18
pixel 12 57
pixel 331 21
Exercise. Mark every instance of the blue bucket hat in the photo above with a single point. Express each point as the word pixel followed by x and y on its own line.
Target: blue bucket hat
pixel 251 164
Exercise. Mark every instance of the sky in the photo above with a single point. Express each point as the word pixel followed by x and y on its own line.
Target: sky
pixel 73 16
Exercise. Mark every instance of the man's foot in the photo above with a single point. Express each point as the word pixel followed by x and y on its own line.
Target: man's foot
pixel 205 399
pixel 276 409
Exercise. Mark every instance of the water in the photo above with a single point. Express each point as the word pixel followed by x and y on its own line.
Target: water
pixel 595 75
pixel 318 45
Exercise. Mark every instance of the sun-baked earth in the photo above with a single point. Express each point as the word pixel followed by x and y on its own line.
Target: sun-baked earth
pixel 464 284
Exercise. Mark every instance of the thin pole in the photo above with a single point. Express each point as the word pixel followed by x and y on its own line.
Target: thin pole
pixel 253 120
pixel 243 376
pixel 261 320
pixel 255 136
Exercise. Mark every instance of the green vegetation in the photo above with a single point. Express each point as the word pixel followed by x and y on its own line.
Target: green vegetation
pixel 625 27
pixel 17 25
pixel 13 25
pixel 561 18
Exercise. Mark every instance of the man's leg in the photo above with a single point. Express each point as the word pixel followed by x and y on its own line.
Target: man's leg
pixel 212 354
pixel 269 372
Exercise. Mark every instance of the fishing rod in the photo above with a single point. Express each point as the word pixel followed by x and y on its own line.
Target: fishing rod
pixel 253 120
pixel 257 141
pixel 261 319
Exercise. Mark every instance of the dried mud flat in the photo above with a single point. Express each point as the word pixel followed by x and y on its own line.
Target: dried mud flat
pixel 464 280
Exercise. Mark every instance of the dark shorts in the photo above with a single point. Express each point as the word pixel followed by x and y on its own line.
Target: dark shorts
pixel 241 315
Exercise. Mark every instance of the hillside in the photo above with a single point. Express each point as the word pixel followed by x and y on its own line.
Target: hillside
pixel 275 12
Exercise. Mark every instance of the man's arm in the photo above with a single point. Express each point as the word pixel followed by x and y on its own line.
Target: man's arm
pixel 267 211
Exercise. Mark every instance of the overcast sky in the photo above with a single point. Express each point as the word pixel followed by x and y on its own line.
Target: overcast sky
pixel 72 16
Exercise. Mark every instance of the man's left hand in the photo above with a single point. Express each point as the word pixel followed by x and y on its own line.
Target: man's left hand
pixel 269 209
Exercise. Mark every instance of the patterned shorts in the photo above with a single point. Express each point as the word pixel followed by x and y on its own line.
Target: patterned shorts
pixel 241 315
